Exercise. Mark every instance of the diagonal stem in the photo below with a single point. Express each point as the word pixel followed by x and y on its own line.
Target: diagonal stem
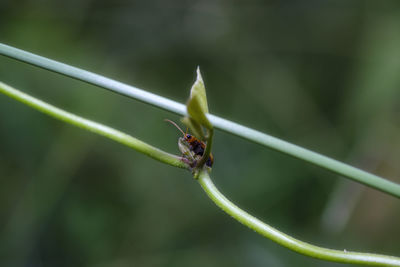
pixel 263 139
pixel 92 126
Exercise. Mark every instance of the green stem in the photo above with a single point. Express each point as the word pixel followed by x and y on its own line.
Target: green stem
pixel 342 256
pixel 206 183
pixel 220 123
pixel 325 162
pixel 93 127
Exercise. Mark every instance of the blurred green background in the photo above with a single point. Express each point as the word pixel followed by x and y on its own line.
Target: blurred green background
pixel 321 74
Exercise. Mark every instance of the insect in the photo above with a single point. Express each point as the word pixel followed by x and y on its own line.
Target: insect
pixel 192 148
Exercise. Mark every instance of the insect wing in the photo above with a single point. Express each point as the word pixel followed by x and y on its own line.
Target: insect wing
pixel 185 149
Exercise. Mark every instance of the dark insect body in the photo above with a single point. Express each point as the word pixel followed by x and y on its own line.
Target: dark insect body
pixel 196 147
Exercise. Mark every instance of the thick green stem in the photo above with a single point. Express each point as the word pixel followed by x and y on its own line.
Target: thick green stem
pixel 220 123
pixel 93 127
pixel 285 240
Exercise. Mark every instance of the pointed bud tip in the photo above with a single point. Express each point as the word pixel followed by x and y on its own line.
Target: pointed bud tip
pixel 199 77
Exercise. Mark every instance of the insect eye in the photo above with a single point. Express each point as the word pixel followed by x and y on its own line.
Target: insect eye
pixel 188 136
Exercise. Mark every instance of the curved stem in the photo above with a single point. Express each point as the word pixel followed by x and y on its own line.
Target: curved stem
pixel 93 127
pixel 285 240
pixel 206 183
pixel 220 123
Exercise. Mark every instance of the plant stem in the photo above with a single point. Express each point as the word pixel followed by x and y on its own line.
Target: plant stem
pixel 287 241
pixel 205 181
pixel 335 166
pixel 301 153
pixel 92 126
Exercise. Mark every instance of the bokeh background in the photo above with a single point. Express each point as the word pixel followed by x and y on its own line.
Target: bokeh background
pixel 321 74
